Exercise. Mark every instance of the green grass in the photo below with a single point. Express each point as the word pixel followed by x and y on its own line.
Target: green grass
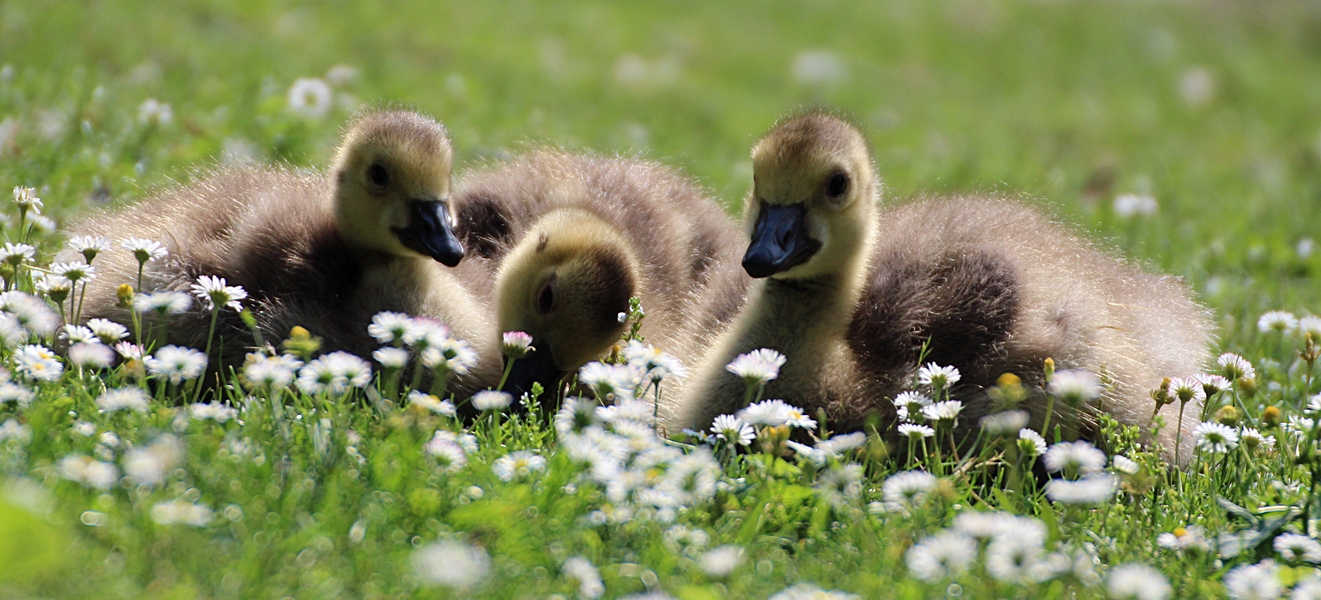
pixel 1068 104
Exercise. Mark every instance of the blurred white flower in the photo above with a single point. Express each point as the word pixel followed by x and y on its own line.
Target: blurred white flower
pixel 585 574
pixel 942 556
pixel 1124 464
pixel 38 363
pixel 907 489
pixel 144 249
pixel 1092 489
pixel 176 364
pixel 818 68
pixel 1197 86
pixel 720 562
pixel 310 97
pixel 518 465
pixel 181 512
pixel 89 471
pixel 807 591
pixel 1075 385
pixel 126 398
pixel 1075 458
pixel 1131 205
pixel 1254 582
pixel 1278 321
pixel 1296 548
pixel 214 411
pixel 491 400
pixel 389 327
pixel 1136 581
pixel 450 564
pixel 432 403
pixel 152 463
pixel 946 411
pixel 169 303
pixel 914 431
pixel 391 357
pixel 1236 367
pixel 154 112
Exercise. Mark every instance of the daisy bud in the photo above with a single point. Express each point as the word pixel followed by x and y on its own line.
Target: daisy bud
pixel 1228 416
pixel 301 343
pixel 517 344
pixel 1270 417
pixel 1049 368
pixel 1248 385
pixel 125 295
pixel 1162 394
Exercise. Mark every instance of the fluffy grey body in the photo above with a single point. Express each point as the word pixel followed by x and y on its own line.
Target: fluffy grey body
pixel 604 229
pixel 277 233
pixel 990 286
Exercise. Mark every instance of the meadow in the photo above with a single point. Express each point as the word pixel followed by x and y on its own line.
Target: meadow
pixel 1183 135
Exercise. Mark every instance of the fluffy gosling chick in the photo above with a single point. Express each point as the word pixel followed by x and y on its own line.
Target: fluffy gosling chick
pixel 574 237
pixel 850 294
pixel 325 251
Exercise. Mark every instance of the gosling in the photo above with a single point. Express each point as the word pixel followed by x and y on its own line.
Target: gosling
pixel 325 251
pixel 572 238
pixel 851 294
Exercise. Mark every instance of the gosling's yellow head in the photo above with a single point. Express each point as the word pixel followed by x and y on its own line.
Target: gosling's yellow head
pixel 565 284
pixel 813 194
pixel 392 186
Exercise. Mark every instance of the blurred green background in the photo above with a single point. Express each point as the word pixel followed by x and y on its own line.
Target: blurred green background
pixel 1209 108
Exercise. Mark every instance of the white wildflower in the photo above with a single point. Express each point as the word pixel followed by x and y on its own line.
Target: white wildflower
pixel 431 403
pixel 216 293
pixel 107 331
pixel 733 430
pixel 145 250
pixel 587 577
pixel 167 303
pixel 89 246
pixel 88 471
pixel 176 364
pixel 938 377
pixel 181 512
pixel 389 327
pixel 1075 458
pixel 310 97
pixel 391 357
pixel 1296 548
pixel 518 465
pixel 1093 489
pixel 914 431
pixel 757 367
pixel 1136 581
pixel 1254 582
pixel 1236 367
pixel 942 556
pixel 214 411
pixel 945 412
pixel 1216 438
pixel 1129 205
pixel 155 112
pixel 1278 321
pixel 128 398
pixel 491 400
pixel 38 363
pixel 720 562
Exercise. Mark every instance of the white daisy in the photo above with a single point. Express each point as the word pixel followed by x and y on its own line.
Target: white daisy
pixel 16 254
pixel 807 591
pixel 733 430
pixel 516 344
pixel 214 411
pixel 1075 458
pixel 575 415
pixel 91 356
pixel 1075 385
pixel 216 293
pixel 422 332
pixel 1136 581
pixel 88 471
pixel 1192 537
pixel 144 250
pixel 767 413
pixel 1216 438
pixel 840 485
pixel 155 112
pixel 13 430
pixel 1296 548
pixel 389 327
pixel 176 364
pixel 1212 384
pixel 912 403
pixel 12 332
pixel 75 334
pixel 453 355
pixel 908 489
pixel 449 455
pixel 19 395
pixel 914 431
pixel 74 272
pixel 450 564
pixel 89 246
pixel 166 303
pixel 757 367
pixel 1185 389
pixel 587 577
pixel 107 331
pixel 432 403
pixel 491 400
pixel 944 555
pixel 946 411
pixel 839 444
pixel 309 97
pixel 938 377
pixel 1236 367
pixel 657 365
pixel 1254 582
pixel 128 398
pixel 38 363
pixel 391 357
pixel 1004 423
pixel 1124 464
pixel 266 372
pixel 720 562
pixel 1278 321
pixel 1012 558
pixel 129 350
pixel 518 465
pixel 32 312
pixel 1092 489
pixel 181 512
pixel 26 199
pixel 1310 325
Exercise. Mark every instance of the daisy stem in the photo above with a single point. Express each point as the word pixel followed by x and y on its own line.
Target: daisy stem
pixel 417 372
pixel 509 366
pixel 1178 433
pixel 1050 409
pixel 82 297
pixel 215 316
pixel 441 384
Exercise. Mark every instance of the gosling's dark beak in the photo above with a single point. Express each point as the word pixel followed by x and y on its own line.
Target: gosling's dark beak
pixel 779 241
pixel 430 232
pixel 536 366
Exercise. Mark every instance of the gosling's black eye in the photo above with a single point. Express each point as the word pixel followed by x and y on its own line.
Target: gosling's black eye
pixel 546 298
pixel 378 176
pixel 838 184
